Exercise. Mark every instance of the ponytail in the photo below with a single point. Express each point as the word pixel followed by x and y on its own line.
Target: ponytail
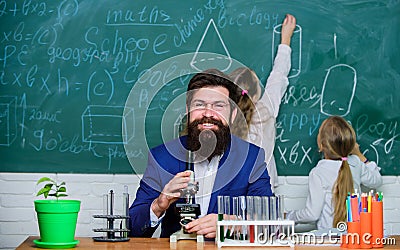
pixel 247 88
pixel 343 185
pixel 336 139
pixel 241 125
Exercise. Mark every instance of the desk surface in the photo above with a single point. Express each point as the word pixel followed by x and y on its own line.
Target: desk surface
pixel 163 243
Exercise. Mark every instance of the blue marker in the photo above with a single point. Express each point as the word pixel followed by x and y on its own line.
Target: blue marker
pixel 348 203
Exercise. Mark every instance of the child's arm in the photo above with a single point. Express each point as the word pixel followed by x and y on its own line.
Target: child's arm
pixel 370 175
pixel 356 151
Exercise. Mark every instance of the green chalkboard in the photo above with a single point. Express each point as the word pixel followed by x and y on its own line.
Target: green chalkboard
pixel 88 86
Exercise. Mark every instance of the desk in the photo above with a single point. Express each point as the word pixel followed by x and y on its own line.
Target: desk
pixel 163 243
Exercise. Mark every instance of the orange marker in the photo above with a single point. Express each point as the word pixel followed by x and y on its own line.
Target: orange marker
pixel 354 209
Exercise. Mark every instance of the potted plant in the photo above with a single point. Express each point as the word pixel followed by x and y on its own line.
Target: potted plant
pixel 56 217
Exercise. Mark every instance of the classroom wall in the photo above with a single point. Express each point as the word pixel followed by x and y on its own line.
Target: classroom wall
pixel 17 193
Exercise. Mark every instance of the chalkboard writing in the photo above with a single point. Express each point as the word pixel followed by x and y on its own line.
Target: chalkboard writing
pixel 89 86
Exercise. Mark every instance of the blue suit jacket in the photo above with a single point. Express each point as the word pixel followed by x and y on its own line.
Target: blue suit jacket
pixel 241 171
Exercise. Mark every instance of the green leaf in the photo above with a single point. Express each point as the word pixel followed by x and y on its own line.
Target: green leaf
pixel 45 191
pixel 51 188
pixel 43 179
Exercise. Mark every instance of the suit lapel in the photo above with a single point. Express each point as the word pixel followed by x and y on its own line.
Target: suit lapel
pixel 182 152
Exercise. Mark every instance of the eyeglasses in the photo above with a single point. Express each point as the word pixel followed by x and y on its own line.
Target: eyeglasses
pixel 217 106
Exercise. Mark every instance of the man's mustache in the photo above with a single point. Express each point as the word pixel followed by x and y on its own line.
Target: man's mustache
pixel 207 120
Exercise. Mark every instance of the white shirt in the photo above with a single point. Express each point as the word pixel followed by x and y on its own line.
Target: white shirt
pixel 321 179
pixel 262 129
pixel 205 173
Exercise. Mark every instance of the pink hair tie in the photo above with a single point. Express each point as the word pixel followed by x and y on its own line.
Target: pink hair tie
pixel 244 92
pixel 344 158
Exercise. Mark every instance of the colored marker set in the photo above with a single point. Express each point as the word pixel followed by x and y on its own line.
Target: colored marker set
pixel 252 221
pixel 364 221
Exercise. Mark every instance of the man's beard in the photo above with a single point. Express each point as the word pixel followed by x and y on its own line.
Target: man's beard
pixel 208 143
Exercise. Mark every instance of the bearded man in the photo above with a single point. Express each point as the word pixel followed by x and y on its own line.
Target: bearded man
pixel 224 165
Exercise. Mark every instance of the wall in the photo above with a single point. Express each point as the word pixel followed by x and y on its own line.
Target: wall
pixel 18 218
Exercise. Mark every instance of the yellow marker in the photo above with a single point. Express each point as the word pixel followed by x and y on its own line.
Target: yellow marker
pixel 369 202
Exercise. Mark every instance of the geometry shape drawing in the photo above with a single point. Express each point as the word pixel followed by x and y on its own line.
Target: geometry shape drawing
pixel 8 120
pixel 338 90
pixel 295 45
pixel 102 124
pixel 201 61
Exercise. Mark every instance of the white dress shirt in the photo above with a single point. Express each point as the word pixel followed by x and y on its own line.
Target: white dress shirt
pixel 205 173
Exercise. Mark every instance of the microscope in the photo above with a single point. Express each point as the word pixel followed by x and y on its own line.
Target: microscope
pixel 188 211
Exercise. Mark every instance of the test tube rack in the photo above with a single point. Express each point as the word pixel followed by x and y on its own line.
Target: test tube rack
pixel 111 231
pixel 281 236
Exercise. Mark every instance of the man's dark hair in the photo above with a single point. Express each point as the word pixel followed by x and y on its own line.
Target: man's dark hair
pixel 211 78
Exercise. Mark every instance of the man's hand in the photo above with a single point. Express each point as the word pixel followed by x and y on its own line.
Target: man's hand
pixel 170 193
pixel 206 226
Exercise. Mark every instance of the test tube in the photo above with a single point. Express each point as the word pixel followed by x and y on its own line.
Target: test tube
pixel 281 208
pixel 265 215
pixel 227 211
pixel 272 208
pixel 280 212
pixel 257 208
pixel 105 212
pixel 257 215
pixel 236 213
pixel 272 212
pixel 125 207
pixel 250 216
pixel 105 204
pixel 242 201
pixel 220 200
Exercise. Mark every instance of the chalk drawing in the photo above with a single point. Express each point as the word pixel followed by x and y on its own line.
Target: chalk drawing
pixel 335 101
pixel 8 120
pixel 221 62
pixel 101 124
pixel 295 45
